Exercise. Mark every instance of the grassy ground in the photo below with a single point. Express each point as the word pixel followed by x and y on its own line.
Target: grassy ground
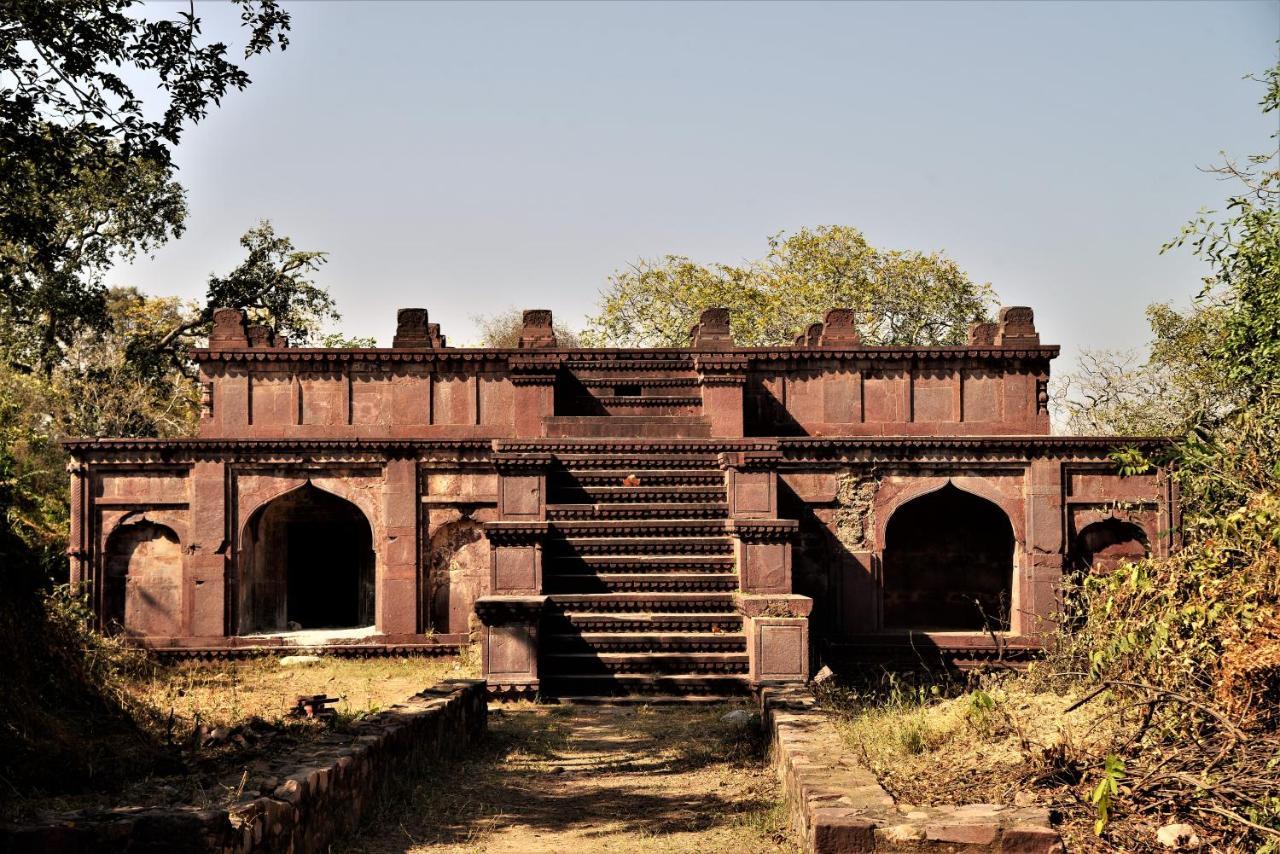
pixel 997 740
pixel 232 692
pixel 251 698
pixel 611 779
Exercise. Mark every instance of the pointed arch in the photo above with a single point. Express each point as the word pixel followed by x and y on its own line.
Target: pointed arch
pixel 142 580
pixel 948 562
pixel 306 560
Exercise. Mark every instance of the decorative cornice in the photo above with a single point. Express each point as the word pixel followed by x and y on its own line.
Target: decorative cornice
pixel 763 530
pixel 629 358
pixel 501 610
pixel 761 460
pixel 527 464
pixel 516 533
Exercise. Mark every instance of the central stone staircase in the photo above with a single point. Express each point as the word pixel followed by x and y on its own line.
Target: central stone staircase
pixel 640 574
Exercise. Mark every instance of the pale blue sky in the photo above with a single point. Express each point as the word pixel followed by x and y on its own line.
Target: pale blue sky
pixel 469 158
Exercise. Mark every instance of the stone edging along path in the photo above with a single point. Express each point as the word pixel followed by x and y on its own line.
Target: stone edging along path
pixel 838 807
pixel 316 801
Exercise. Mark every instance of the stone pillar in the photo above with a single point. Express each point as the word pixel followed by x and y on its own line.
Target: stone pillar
pixel 397 583
pixel 509 651
pixel 1039 583
pixel 722 378
pixel 208 548
pixel 78 553
pixel 513 610
pixel 533 377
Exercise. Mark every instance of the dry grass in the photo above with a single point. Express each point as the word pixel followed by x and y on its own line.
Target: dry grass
pixel 1001 740
pixel 232 692
pixel 570 778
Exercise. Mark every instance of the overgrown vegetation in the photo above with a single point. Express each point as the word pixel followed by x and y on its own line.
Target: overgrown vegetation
pixel 1160 699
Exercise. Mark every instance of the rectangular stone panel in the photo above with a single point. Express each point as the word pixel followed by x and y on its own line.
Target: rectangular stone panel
pixel 153 487
pixel 841 397
pixel 510 653
pixel 369 397
pixel 271 399
pixel 782 649
pixel 522 497
pixel 323 398
pixel 410 398
pixel 884 394
pixel 497 401
pixel 934 397
pixel 805 397
pixel 515 569
pixel 983 396
pixel 766 567
pixel 454 399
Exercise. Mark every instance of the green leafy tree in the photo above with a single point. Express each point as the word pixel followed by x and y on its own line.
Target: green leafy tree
pixel 85 165
pixel 901 297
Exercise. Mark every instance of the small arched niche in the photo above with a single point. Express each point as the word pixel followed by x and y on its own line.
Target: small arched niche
pixel 1102 546
pixel 306 562
pixel 143 581
pixel 948 564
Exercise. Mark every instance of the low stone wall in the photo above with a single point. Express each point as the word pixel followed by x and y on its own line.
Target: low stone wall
pixel 317 800
pixel 838 807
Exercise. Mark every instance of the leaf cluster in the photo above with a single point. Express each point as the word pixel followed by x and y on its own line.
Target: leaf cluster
pixel 900 297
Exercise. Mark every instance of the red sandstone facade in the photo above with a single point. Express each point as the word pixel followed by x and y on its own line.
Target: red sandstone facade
pixel 697 519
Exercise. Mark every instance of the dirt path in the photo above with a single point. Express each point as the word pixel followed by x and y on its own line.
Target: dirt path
pixel 587 779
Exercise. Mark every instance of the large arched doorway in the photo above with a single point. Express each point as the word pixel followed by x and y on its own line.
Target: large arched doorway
pixel 143 581
pixel 948 564
pixel 306 562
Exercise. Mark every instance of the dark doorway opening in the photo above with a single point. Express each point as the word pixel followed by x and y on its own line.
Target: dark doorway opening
pixel 1103 546
pixel 308 563
pixel 948 564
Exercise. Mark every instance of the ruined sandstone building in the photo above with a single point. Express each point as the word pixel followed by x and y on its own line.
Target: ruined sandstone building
pixel 671 520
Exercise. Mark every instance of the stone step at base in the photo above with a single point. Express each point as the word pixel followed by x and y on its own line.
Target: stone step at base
pixel 638 581
pixel 607 623
pixel 637 510
pixel 646 642
pixel 679 529
pixel 561 664
pixel 648 603
pixel 634 684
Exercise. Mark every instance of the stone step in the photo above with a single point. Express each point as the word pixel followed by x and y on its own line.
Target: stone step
pixel 650 405
pixel 647 603
pixel 629 426
pixel 563 664
pixel 640 581
pixel 613 528
pixel 632 684
pixel 560 564
pixel 646 379
pixel 647 642
pixel 642 494
pixel 622 623
pixel 693 459
pixel 638 545
pixel 647 477
pixel 638 510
